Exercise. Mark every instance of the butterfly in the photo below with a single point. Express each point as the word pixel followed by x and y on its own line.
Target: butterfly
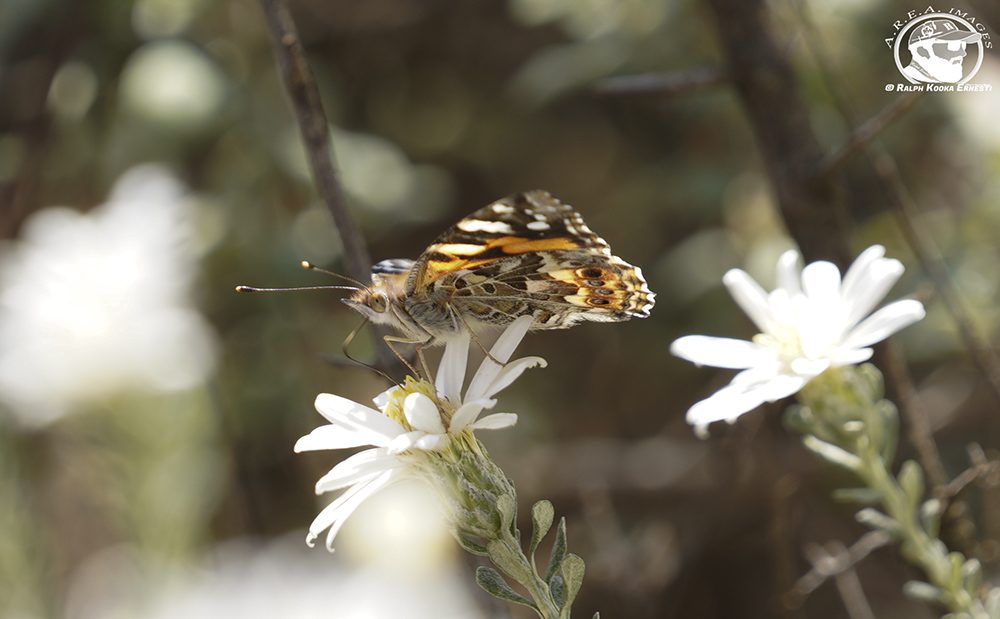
pixel 525 254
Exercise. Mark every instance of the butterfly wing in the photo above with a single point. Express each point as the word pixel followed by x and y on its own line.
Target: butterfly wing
pixel 529 253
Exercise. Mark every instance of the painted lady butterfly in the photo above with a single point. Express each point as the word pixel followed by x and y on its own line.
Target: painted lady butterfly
pixel 527 254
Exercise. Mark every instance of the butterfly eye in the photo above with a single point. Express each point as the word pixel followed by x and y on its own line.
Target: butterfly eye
pixel 378 302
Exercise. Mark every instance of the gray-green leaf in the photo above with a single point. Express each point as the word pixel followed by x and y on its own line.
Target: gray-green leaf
pixel 507 506
pixel 832 453
pixel 541 520
pixel 911 479
pixel 861 496
pixel 572 572
pixel 557 586
pixel 972 576
pixel 889 416
pixel 923 591
pixel 877 520
pixel 508 561
pixel 930 516
pixel 471 546
pixel 493 583
pixel 558 551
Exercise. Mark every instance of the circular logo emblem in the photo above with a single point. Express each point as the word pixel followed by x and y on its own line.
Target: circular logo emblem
pixel 938 48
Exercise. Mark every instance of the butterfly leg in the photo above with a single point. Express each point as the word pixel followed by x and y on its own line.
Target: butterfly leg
pixel 420 345
pixel 475 338
pixel 345 349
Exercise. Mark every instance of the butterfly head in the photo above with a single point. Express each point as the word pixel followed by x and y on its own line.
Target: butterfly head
pixel 377 300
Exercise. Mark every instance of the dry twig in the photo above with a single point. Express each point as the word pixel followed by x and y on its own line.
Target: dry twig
pixel 304 95
pixel 832 562
pixel 314 128
pixel 985 359
pixel 898 380
pixel 868 131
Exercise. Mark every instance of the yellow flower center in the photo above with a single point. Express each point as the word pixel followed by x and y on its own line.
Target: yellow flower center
pixel 394 408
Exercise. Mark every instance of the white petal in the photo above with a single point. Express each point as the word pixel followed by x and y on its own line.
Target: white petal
pixel 338 437
pixel 423 413
pixel 821 281
pixel 342 411
pixel 732 401
pixel 495 421
pixel 858 271
pixel 721 352
pixel 756 375
pixel 501 351
pixel 788 273
pixel 866 293
pixel 405 441
pixel 809 367
pixel 451 372
pixel 503 379
pixel 727 403
pixel 430 442
pixel 749 296
pixel 783 386
pixel 360 466
pixel 468 413
pixel 884 323
pixel 783 310
pixel 510 338
pixel 382 400
pixel 850 356
pixel 337 512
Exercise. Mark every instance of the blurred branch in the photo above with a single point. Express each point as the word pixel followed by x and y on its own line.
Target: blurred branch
pixel 665 84
pixel 767 87
pixel 315 130
pixel 899 383
pixel 868 131
pixel 982 467
pixel 901 389
pixel 836 561
pixel 984 358
pixel 304 95
pixel 985 472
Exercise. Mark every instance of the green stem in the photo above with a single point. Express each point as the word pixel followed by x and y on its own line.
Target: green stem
pixel 528 578
pixel 919 547
pixel 845 412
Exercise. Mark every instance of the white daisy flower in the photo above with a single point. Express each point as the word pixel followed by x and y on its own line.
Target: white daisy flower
pixel 411 425
pixel 814 320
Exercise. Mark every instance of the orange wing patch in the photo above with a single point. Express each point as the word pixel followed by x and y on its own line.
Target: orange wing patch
pixel 517 245
pixel 436 269
pixel 445 258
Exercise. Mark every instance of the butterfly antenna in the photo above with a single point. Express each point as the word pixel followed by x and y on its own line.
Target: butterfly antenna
pixel 292 289
pixel 312 267
pixel 347 342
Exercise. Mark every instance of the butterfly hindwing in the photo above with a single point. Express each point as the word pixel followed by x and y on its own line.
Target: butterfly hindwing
pixel 529 253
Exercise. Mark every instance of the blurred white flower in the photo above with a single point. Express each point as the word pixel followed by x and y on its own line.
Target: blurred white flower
pixel 408 424
pixel 251 580
pixel 93 304
pixel 811 322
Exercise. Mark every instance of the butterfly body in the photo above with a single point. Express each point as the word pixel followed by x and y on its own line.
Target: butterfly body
pixel 526 254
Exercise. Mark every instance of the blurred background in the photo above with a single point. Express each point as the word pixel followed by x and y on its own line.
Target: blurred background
pixel 149 161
